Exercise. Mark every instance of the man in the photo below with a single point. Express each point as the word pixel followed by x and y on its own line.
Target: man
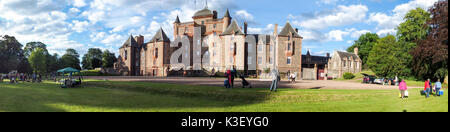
pixel 438 87
pixel 274 85
pixel 427 88
pixel 233 75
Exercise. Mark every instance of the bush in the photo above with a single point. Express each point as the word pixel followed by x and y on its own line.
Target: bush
pixel 348 75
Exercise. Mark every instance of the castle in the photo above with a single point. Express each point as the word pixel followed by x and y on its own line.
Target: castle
pixel 225 45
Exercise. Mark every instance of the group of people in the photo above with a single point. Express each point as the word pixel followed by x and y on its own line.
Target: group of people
pixel 231 75
pixel 16 77
pixel 429 88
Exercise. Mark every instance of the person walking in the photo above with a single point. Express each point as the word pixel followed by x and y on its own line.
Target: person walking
pixel 427 88
pixel 228 75
pixel 438 87
pixel 274 85
pixel 402 87
pixel 233 75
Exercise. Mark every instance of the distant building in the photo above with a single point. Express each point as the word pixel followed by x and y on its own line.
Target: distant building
pixel 314 67
pixel 343 62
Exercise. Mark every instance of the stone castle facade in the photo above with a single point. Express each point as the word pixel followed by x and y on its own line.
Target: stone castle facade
pixel 228 45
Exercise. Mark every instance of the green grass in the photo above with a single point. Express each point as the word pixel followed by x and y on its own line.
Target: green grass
pixel 112 96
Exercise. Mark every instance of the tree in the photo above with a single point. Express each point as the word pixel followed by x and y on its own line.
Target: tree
pixel 29 47
pixel 108 59
pixel 430 57
pixel 11 54
pixel 365 44
pixel 53 63
pixel 410 32
pixel 71 59
pixel 92 59
pixel 384 58
pixel 38 60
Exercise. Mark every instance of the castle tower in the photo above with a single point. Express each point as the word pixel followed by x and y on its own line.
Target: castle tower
pixel 226 20
pixel 175 26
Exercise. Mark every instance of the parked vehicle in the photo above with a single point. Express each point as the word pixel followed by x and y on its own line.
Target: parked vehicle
pixel 368 79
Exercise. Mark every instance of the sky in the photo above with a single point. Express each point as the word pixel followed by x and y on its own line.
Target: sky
pixel 325 25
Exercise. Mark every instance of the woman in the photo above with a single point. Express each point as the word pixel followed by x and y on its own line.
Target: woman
pixel 402 87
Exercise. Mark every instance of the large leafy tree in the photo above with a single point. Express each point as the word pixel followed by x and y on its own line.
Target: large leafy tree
pixel 108 59
pixel 11 54
pixel 29 47
pixel 383 59
pixel 431 55
pixel 53 63
pixel 71 59
pixel 92 59
pixel 365 44
pixel 409 33
pixel 38 60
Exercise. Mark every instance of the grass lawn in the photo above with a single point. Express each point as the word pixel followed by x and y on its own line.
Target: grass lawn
pixel 143 96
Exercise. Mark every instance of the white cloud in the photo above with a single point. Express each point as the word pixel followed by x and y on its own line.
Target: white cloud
pixel 243 16
pixel 327 1
pixel 80 26
pixel 97 36
pixel 266 30
pixel 387 23
pixel 74 10
pixel 337 35
pixel 79 3
pixel 357 34
pixel 114 40
pixel 342 15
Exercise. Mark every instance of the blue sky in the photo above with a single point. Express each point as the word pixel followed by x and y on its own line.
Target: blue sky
pixel 326 25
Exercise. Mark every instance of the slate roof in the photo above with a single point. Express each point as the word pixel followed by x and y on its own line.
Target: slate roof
pixel 227 14
pixel 203 12
pixel 347 55
pixel 177 20
pixel 288 29
pixel 160 36
pixel 130 42
pixel 233 29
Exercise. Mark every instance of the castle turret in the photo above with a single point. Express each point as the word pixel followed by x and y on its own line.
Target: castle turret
pixel 226 20
pixel 175 26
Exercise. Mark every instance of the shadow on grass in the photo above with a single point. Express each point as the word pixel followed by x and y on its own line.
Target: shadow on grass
pixel 123 96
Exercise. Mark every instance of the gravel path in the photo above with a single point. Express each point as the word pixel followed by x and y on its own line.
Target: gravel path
pixel 258 83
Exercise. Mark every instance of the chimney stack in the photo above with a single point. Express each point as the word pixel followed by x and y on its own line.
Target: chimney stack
pixel 356 50
pixel 215 14
pixel 275 32
pixel 245 28
pixel 328 55
pixel 140 40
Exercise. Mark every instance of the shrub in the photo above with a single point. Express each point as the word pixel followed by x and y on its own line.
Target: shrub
pixel 348 75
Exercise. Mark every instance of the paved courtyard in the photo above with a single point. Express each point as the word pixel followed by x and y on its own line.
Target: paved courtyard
pixel 257 83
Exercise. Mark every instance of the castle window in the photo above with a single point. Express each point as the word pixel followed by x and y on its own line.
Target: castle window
pixel 156 53
pixel 270 60
pixel 215 25
pixel 250 59
pixel 289 46
pixel 259 60
pixel 289 59
pixel 289 38
pixel 203 22
pixel 260 48
pixel 293 47
pixel 126 54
